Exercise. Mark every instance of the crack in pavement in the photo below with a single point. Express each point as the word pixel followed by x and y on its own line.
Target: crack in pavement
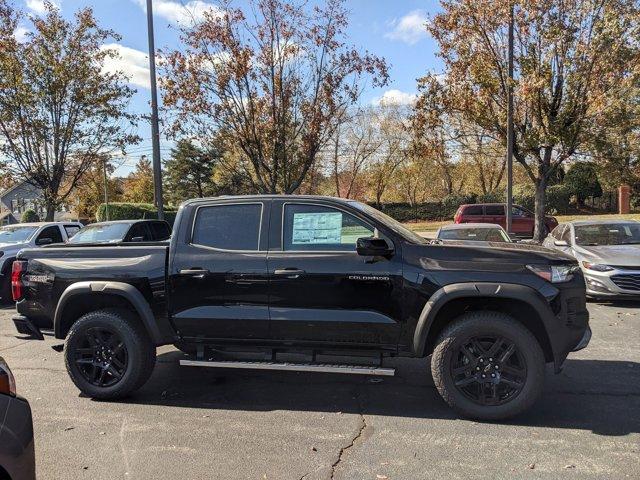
pixel 358 435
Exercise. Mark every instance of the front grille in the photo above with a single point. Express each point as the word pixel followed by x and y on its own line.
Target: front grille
pixel 628 282
pixel 626 267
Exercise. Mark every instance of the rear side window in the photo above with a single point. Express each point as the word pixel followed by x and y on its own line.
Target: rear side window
pixel 160 230
pixel 71 230
pixel 494 210
pixel 228 227
pixel 138 231
pixel 473 210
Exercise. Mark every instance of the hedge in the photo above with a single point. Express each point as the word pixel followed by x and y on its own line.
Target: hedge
pixel 133 211
pixel 29 216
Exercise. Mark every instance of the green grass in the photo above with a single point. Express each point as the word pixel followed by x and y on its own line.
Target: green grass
pixel 433 226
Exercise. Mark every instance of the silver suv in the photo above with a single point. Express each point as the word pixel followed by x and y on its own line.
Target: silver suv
pixel 608 252
pixel 14 238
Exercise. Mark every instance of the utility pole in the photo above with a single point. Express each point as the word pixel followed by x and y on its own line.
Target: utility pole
pixel 510 138
pixel 106 188
pixel 155 130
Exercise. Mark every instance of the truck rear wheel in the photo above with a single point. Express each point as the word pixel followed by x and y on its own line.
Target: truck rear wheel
pixel 488 366
pixel 108 354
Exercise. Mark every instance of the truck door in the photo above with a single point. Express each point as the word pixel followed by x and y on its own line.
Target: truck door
pixel 321 289
pixel 218 271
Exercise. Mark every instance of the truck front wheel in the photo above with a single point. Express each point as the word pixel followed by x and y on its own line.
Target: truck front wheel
pixel 488 366
pixel 108 354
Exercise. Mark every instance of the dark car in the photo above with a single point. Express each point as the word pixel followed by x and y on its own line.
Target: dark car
pixel 123 231
pixel 522 220
pixel 17 457
pixel 314 277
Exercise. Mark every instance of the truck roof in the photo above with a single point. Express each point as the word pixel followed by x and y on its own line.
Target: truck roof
pixel 269 197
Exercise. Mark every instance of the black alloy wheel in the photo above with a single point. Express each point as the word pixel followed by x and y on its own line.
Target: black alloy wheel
pixel 489 370
pixel 101 357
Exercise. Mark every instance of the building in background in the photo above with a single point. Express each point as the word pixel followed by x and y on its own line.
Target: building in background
pixel 22 197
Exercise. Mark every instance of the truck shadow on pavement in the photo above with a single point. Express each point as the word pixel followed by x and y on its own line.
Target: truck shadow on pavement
pixel 596 395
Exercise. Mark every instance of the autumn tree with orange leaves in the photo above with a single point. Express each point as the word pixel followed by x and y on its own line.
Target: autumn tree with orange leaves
pixel 276 78
pixel 573 60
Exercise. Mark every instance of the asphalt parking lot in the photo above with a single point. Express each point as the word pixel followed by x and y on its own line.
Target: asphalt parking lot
pixel 204 423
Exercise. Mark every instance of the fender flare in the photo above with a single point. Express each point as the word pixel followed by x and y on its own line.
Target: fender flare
pixel 124 290
pixel 480 289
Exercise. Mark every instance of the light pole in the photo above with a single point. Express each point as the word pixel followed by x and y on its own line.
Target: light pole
pixel 155 130
pixel 510 138
pixel 106 189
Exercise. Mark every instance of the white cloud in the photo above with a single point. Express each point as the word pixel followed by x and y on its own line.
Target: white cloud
pixel 409 29
pixel 131 62
pixel 395 97
pixel 179 12
pixel 38 6
pixel 21 34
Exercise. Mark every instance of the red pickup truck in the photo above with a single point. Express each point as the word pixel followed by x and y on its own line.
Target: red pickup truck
pixel 522 222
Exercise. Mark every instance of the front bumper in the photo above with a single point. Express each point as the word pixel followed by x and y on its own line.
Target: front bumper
pixel 614 284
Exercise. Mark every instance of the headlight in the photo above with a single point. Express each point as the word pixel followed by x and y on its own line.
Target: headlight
pixel 597 267
pixel 554 273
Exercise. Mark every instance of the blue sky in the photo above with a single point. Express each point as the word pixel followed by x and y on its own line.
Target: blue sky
pixel 392 29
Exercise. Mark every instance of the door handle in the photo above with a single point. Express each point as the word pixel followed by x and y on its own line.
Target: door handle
pixel 289 272
pixel 194 272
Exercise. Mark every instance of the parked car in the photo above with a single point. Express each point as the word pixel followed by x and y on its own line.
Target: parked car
pixel 313 276
pixel 472 232
pixel 522 220
pixel 123 231
pixel 17 456
pixel 608 253
pixel 14 238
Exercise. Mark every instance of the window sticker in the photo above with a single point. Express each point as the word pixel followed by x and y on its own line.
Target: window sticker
pixel 316 228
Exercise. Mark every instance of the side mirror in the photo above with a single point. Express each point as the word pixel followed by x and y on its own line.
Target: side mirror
pixel 44 241
pixel 373 247
pixel 560 243
pixel 137 239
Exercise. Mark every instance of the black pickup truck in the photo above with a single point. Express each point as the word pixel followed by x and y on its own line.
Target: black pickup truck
pixel 311 276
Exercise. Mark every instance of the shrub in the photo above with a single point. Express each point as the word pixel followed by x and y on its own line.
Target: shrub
pixel 525 195
pixel 29 216
pixel 132 211
pixel 558 199
pixel 582 181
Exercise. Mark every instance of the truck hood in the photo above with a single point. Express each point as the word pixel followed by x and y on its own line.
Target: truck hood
pixel 488 256
pixel 12 247
pixel 621 255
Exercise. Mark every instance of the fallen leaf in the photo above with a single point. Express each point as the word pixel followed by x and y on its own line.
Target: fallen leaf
pixel 68 428
pixel 570 466
pixel 531 466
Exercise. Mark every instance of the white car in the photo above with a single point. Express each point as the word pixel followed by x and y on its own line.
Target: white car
pixel 608 252
pixel 14 238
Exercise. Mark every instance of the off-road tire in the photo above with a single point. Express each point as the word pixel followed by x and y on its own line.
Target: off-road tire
pixel 141 352
pixel 475 323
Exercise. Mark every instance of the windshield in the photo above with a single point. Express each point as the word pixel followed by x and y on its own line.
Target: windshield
pixel 16 234
pixel 608 234
pixel 101 232
pixel 474 234
pixel 393 224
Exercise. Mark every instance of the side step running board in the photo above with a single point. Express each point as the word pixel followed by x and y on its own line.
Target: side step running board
pixel 293 367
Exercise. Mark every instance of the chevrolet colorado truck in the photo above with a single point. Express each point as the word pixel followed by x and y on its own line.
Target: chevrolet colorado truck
pixel 275 276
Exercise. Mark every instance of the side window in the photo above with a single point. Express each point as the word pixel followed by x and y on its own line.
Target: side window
pixel 494 210
pixel 473 210
pixel 160 230
pixel 53 232
pixel 228 227
pixel 557 232
pixel 71 230
pixel 138 230
pixel 314 227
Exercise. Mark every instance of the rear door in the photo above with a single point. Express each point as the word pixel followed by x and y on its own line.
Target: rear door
pixel 495 214
pixel 218 272
pixel 522 222
pixel 321 289
pixel 473 214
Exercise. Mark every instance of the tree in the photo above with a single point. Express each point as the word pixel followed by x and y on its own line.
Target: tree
pixel 58 108
pixel 571 57
pixel 89 192
pixel 277 80
pixel 582 181
pixel 30 216
pixel 138 186
pixel 189 172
